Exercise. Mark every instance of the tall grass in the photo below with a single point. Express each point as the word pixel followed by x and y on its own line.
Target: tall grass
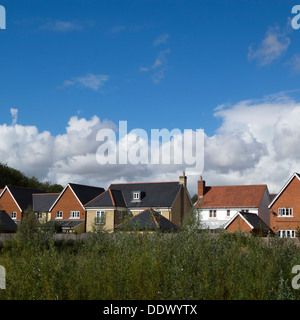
pixel 183 265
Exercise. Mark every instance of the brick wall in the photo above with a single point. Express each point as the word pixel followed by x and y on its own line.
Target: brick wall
pixel 290 198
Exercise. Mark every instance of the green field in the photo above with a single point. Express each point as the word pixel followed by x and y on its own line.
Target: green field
pixel 183 265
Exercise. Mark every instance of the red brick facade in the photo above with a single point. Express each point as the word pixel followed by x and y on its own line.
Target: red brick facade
pixel 285 210
pixel 8 204
pixel 67 203
pixel 238 224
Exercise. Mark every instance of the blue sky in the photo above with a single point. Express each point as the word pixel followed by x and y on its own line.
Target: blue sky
pixel 157 64
pixel 202 46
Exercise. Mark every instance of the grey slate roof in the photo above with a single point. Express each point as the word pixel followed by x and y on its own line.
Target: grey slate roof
pixel 23 196
pixel 85 193
pixel 255 221
pixel 148 219
pixel 109 198
pixel 7 225
pixel 42 202
pixel 153 194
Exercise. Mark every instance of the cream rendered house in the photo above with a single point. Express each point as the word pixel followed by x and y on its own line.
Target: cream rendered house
pixel 170 199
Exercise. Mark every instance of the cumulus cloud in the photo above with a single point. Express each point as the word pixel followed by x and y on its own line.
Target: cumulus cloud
pixel 255 143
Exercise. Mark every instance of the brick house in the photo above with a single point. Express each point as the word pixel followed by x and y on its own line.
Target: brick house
pixel 170 199
pixel 217 205
pixel 247 222
pixel 285 209
pixel 68 209
pixel 16 200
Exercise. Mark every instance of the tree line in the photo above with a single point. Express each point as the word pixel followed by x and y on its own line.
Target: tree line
pixel 12 177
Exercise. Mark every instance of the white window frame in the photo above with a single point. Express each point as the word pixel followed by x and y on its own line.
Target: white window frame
pixel 74 214
pixel 212 213
pixel 136 195
pixel 285 212
pixel 100 218
pixel 13 215
pixel 39 215
pixel 59 214
pixel 286 233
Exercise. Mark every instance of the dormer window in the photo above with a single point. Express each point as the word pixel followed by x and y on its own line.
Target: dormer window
pixel 136 195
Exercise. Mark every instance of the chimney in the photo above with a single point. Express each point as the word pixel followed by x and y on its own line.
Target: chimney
pixel 183 179
pixel 201 188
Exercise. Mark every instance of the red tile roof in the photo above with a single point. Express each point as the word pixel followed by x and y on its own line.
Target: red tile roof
pixel 244 196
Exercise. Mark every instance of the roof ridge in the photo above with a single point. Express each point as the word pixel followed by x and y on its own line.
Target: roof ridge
pixel 144 182
pixel 46 193
pixel 83 185
pixel 28 188
pixel 239 185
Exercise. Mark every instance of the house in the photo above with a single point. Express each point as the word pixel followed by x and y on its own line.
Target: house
pixel 16 200
pixel 170 199
pixel 285 208
pixel 247 222
pixel 107 210
pixel 68 209
pixel 7 224
pixel 41 203
pixel 217 205
pixel 147 220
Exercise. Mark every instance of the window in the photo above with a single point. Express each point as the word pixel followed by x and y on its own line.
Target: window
pixel 212 213
pixel 286 233
pixel 59 214
pixel 13 215
pixel 74 214
pixel 39 215
pixel 136 195
pixel 285 212
pixel 228 213
pixel 100 217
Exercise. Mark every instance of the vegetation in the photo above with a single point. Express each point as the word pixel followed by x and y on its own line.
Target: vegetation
pixel 13 177
pixel 183 265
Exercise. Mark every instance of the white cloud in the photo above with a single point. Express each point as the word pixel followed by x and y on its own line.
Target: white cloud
pixel 117 29
pixel 294 63
pixel 144 69
pixel 273 46
pixel 14 115
pixel 162 39
pixel 61 26
pixel 90 81
pixel 257 142
pixel 159 66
